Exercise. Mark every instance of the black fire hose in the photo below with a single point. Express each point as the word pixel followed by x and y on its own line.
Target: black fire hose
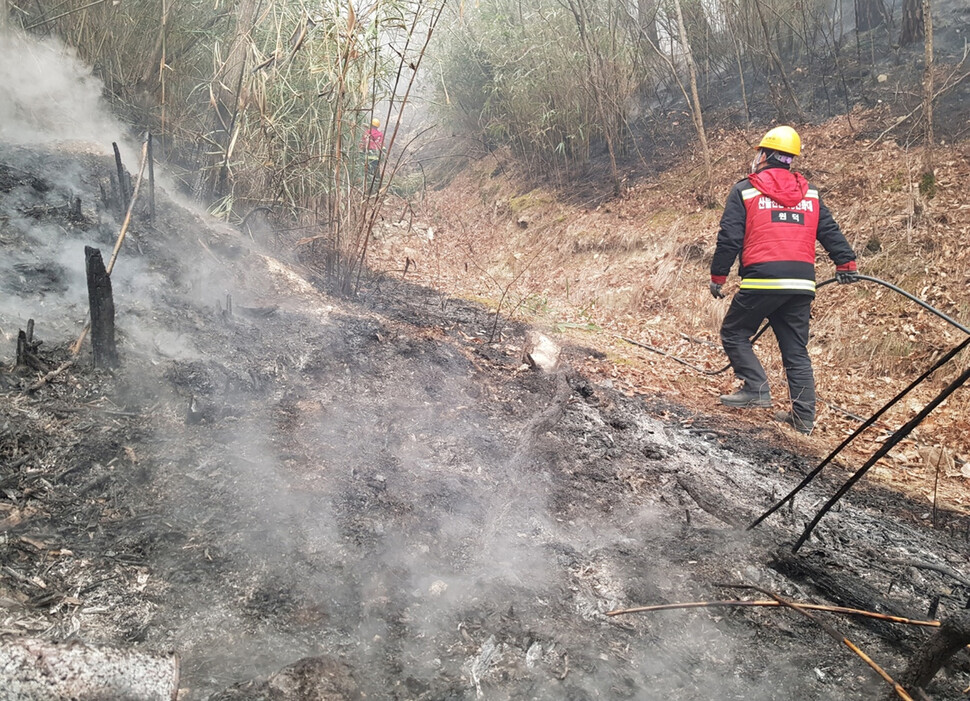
pixel 896 437
pixel 866 424
pixel 867 278
pixel 891 443
pixel 912 298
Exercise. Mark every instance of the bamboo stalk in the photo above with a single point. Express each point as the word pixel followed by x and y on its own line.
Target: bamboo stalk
pixel 64 14
pixel 776 604
pixel 900 691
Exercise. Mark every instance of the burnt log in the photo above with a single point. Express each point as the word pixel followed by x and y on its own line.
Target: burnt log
pixel 543 422
pixel 39 670
pixel 953 636
pixel 713 501
pixel 835 581
pixel 102 310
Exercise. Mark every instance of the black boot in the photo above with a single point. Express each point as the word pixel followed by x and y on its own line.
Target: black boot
pixel 798 423
pixel 747 399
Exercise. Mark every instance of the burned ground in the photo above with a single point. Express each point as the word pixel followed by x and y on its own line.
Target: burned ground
pixel 374 485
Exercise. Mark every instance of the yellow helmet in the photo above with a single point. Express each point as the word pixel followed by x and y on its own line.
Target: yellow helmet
pixel 784 139
pixel 376 123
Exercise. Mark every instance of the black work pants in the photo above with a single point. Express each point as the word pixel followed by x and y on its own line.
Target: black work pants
pixel 788 315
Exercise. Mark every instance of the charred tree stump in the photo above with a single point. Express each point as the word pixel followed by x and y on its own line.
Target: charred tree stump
pixel 953 636
pixel 38 670
pixel 27 349
pixel 115 202
pixel 123 189
pixel 102 310
pixel 21 349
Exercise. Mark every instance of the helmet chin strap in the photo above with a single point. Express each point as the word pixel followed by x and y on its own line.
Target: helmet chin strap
pixel 759 158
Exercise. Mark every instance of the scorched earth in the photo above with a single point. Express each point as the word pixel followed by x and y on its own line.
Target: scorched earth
pixel 370 495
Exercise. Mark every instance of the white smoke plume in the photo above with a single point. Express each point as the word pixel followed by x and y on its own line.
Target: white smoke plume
pixel 47 94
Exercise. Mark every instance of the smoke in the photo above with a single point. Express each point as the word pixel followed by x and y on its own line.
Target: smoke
pixel 47 95
pixel 50 103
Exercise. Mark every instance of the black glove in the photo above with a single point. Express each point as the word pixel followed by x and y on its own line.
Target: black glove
pixel 846 277
pixel 716 291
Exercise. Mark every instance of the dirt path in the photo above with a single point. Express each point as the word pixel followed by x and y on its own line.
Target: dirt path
pixel 373 485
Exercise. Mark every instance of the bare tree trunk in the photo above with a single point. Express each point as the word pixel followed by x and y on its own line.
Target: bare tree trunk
pixel 928 172
pixel 696 112
pixel 744 91
pixel 647 19
pixel 912 25
pixel 869 14
pixel 775 59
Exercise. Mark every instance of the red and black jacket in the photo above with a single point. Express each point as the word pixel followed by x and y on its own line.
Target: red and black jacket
pixel 772 219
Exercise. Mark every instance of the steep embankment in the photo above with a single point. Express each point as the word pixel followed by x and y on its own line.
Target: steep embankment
pixel 637 266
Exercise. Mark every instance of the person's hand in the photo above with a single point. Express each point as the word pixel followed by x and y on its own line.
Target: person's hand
pixel 716 291
pixel 846 273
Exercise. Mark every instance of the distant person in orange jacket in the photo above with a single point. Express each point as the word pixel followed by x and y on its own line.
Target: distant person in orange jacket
pixel 373 144
pixel 772 220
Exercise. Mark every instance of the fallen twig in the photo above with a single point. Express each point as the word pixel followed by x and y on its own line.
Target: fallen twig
pixel 19 461
pixel 664 353
pixel 775 603
pixel 834 634
pixel 49 376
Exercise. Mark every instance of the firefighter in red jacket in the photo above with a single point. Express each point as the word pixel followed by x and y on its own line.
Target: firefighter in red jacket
pixel 772 220
pixel 372 144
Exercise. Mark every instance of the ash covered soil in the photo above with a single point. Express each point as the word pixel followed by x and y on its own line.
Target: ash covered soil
pixel 370 495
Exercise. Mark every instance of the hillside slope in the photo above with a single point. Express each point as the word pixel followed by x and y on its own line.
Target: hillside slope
pixel 637 266
pixel 372 495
